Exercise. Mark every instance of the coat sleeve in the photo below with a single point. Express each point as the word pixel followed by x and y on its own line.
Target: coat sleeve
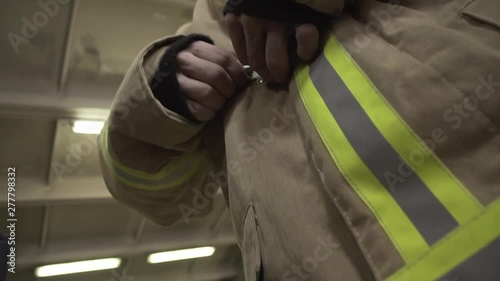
pixel 152 159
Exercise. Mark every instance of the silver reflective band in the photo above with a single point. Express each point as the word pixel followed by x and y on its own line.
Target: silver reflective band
pixel 424 210
pixel 483 266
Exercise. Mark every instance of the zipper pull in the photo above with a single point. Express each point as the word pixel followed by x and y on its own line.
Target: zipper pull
pixel 252 75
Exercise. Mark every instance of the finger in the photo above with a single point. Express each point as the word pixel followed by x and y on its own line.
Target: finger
pixel 237 34
pixel 255 36
pixel 307 36
pixel 277 53
pixel 200 92
pixel 205 71
pixel 222 58
pixel 199 111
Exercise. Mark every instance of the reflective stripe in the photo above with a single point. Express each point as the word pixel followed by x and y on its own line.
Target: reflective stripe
pixel 430 170
pixel 431 197
pixel 421 206
pixel 393 220
pixel 484 266
pixel 175 173
pixel 460 252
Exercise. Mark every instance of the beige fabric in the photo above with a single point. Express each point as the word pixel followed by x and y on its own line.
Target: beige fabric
pixel 217 7
pixel 294 215
pixel 431 61
pixel 485 11
pixel 207 10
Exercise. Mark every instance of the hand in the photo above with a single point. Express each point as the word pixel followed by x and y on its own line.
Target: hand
pixel 263 44
pixel 207 76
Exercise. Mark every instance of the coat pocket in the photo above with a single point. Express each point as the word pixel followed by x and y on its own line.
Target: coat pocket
pixel 250 247
pixel 485 11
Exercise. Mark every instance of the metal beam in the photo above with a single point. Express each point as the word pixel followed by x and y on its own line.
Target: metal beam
pixel 29 106
pixel 221 217
pixel 212 275
pixel 45 227
pixel 30 255
pixel 64 67
pixel 75 190
pixel 140 230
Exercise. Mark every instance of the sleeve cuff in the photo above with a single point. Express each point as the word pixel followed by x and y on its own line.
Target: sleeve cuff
pixel 165 86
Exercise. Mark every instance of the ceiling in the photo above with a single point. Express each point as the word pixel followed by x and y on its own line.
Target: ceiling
pixel 70 68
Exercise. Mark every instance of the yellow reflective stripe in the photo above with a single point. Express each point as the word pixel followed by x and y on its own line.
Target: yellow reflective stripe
pixel 457 247
pixel 442 183
pixel 177 172
pixel 405 237
pixel 428 215
pixel 165 171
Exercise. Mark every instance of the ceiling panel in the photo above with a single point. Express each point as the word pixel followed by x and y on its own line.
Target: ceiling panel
pixel 30 54
pixel 24 275
pixel 74 155
pixel 72 222
pixel 29 144
pixel 29 226
pixel 76 61
pixel 108 35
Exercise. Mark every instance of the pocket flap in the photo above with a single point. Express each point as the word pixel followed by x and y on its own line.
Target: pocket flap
pixel 487 11
pixel 250 247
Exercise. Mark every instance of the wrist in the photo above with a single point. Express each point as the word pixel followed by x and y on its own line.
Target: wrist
pixel 165 86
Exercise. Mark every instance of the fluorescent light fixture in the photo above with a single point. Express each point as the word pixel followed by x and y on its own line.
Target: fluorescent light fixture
pixel 77 267
pixel 87 127
pixel 181 255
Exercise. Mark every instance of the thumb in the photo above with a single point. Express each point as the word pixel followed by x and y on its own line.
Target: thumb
pixel 307 36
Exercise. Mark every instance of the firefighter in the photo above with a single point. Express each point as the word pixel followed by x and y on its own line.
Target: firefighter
pixel 377 158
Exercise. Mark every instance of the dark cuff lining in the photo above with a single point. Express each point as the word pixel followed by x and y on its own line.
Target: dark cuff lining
pixel 276 10
pixel 165 86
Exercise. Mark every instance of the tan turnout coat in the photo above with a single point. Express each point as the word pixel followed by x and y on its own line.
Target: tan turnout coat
pixel 295 213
